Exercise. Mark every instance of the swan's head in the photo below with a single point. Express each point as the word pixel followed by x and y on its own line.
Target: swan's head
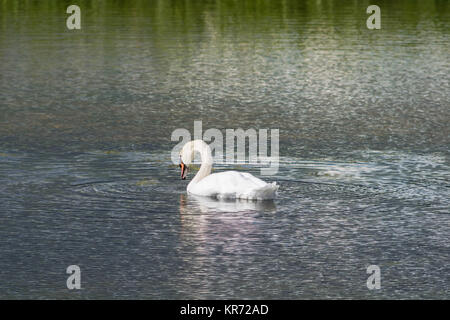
pixel 184 169
pixel 186 158
pixel 187 155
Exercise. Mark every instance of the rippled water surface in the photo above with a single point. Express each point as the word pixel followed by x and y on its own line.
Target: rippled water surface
pixel 85 139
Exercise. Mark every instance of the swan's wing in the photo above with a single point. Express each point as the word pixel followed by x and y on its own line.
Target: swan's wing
pixel 251 179
pixel 228 184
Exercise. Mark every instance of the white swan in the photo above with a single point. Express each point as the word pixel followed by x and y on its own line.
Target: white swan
pixel 223 185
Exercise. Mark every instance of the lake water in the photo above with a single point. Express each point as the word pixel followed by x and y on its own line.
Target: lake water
pixel 86 118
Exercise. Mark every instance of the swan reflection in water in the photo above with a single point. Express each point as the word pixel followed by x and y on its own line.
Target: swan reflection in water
pixel 192 204
pixel 220 239
pixel 231 226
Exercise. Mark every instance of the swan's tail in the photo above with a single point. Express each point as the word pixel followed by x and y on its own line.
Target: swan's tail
pixel 267 192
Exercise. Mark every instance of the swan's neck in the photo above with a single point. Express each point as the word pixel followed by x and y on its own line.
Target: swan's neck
pixel 206 158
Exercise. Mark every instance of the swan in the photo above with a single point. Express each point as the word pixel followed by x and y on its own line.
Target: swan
pixel 223 185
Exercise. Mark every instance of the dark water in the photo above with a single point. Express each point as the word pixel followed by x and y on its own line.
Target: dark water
pixel 86 178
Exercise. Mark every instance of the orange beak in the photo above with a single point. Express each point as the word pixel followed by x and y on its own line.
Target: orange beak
pixel 183 170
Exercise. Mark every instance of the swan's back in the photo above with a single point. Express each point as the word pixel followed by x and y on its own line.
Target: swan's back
pixel 234 184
